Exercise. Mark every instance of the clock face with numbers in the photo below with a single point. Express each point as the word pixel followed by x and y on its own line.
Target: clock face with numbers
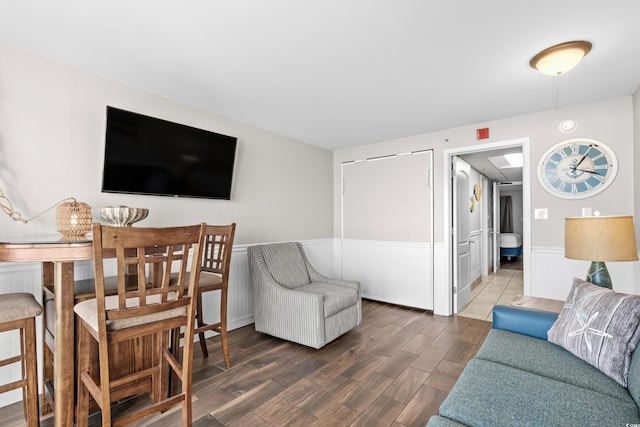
pixel 577 168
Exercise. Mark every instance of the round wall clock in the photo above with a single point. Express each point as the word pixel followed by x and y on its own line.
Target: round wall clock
pixel 577 168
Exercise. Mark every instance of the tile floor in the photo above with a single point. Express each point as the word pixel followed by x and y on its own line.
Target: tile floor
pixel 500 288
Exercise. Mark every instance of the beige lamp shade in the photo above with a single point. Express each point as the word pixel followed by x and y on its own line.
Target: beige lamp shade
pixel 600 238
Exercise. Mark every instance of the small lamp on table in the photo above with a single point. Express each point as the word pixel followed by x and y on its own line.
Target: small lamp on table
pixel 599 239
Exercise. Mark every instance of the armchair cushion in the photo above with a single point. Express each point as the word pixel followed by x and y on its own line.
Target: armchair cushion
pixel 336 298
pixel 286 264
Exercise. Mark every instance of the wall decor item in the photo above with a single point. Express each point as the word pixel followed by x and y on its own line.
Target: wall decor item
pixel 477 191
pixel 577 168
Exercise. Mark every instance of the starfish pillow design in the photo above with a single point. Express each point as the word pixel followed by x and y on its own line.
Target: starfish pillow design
pixel 585 330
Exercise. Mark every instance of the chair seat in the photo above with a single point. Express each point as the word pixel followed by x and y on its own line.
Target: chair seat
pixel 336 298
pixel 17 313
pixel 208 281
pixel 88 311
pixel 18 306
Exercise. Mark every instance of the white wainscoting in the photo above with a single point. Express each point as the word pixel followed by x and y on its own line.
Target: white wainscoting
pixel 394 272
pixel 26 277
pixel 552 274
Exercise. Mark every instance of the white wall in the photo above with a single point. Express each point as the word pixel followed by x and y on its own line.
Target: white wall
pixel 52 125
pixel 609 121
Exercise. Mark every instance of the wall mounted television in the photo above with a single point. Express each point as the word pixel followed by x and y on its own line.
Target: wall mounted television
pixel 147 155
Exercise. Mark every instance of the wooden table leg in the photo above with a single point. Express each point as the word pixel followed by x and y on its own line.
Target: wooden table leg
pixel 47 281
pixel 64 359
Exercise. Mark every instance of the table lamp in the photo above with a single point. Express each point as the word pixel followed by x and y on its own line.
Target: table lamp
pixel 599 239
pixel 73 220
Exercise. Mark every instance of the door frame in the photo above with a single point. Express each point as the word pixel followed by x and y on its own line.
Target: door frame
pixel 495 226
pixel 443 293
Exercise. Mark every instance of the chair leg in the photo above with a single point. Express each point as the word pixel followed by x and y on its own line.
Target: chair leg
pixel 223 328
pixel 200 321
pixel 161 389
pixel 82 408
pixel 23 370
pixel 186 378
pixel 175 349
pixel 33 407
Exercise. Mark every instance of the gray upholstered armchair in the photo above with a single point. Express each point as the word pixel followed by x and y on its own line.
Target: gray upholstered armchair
pixel 292 301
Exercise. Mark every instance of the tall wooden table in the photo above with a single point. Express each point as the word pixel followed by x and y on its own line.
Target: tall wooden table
pixel 57 258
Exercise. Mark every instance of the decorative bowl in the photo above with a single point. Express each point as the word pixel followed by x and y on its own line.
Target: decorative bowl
pixel 123 216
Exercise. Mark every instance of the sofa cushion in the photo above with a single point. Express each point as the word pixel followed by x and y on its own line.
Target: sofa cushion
pixel 493 395
pixel 599 326
pixel 336 298
pixel 437 421
pixel 286 264
pixel 634 378
pixel 543 358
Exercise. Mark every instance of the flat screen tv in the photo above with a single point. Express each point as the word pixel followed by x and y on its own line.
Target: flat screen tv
pixel 147 155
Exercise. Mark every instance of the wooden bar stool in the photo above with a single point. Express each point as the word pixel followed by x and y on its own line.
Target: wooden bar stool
pixel 19 311
pixel 214 276
pixel 113 323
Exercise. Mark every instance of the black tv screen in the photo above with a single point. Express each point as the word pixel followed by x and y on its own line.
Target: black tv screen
pixel 147 155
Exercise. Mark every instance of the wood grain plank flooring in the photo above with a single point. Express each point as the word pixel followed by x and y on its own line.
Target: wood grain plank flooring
pixel 395 369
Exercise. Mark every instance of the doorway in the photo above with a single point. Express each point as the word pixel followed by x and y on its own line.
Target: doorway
pixel 475 156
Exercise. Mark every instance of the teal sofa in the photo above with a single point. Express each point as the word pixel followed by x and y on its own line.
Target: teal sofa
pixel 519 378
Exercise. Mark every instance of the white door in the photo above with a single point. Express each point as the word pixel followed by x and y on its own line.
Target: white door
pixel 460 221
pixel 496 227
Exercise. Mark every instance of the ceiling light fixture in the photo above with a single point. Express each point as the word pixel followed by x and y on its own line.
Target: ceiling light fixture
pixel 560 58
pixel 506 161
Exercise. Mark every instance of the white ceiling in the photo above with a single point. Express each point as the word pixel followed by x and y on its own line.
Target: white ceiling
pixel 480 162
pixel 338 73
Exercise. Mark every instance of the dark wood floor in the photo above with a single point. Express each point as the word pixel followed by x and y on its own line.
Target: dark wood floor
pixel 393 370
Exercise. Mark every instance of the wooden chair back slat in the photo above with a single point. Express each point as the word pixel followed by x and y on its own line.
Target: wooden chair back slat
pixel 217 248
pixel 146 250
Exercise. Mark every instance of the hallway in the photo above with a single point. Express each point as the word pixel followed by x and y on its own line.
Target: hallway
pixel 500 288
